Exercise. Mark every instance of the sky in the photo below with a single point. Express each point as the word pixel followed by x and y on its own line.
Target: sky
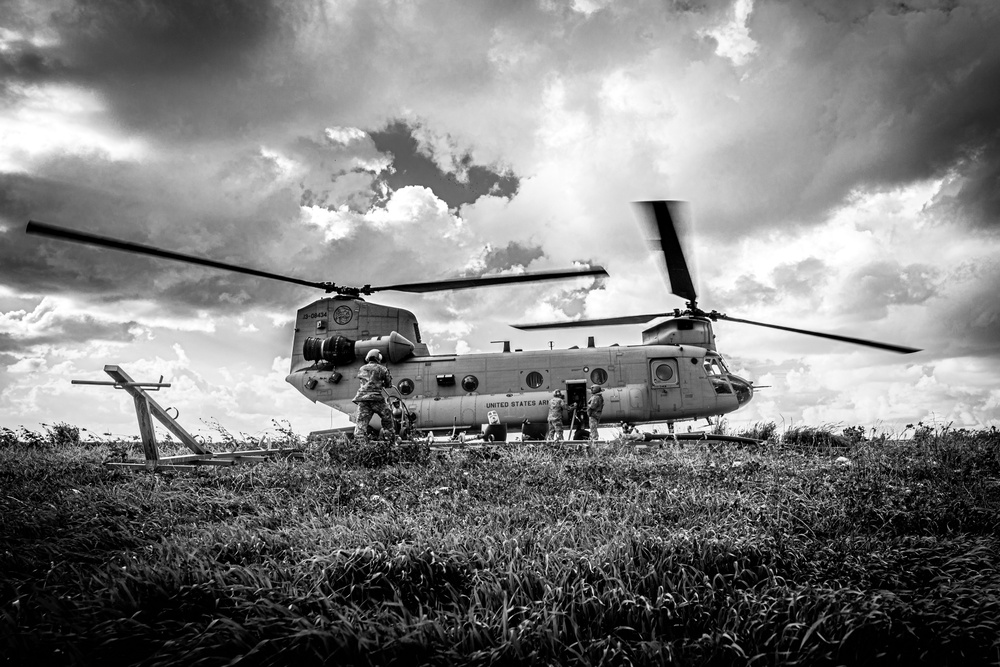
pixel 841 159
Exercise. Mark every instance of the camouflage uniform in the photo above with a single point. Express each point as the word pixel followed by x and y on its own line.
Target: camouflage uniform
pixel 594 409
pixel 374 377
pixel 556 406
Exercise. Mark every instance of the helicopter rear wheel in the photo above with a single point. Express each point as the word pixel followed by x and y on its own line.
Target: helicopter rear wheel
pixel 495 433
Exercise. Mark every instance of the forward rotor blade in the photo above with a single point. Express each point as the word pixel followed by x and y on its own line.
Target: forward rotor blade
pixel 62 233
pixel 485 281
pixel 846 339
pixel 658 219
pixel 604 321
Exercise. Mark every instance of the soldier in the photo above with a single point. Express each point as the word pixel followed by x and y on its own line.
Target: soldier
pixel 556 407
pixel 397 415
pixel 374 378
pixel 594 409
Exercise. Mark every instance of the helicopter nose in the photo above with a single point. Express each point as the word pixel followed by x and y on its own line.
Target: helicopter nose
pixel 743 388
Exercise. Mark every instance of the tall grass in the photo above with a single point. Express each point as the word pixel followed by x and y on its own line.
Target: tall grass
pixel 880 552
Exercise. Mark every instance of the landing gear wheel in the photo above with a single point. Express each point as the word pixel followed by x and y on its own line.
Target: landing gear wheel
pixel 495 433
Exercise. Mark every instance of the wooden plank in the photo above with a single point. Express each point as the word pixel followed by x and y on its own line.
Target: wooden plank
pixel 261 452
pixel 143 466
pixel 146 431
pixel 184 458
pixel 103 383
pixel 177 429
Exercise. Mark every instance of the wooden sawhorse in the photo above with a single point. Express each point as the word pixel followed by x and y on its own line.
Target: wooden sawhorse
pixel 146 409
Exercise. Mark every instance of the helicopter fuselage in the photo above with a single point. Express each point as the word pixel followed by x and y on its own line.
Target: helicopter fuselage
pixel 640 383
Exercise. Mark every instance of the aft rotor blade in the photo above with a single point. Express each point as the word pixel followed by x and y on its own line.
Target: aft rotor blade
pixel 62 233
pixel 485 281
pixel 846 339
pixel 658 219
pixel 601 322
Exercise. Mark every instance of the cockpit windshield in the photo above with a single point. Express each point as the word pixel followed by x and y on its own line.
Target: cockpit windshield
pixel 715 366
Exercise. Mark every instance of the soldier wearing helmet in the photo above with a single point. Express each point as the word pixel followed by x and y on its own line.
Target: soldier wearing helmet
pixel 594 409
pixel 557 404
pixel 374 378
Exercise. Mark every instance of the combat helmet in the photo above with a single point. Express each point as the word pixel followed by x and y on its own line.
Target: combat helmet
pixel 373 355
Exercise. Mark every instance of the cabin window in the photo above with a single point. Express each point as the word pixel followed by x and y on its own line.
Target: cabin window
pixel 664 371
pixel 405 386
pixel 599 376
pixel 534 380
pixel 470 383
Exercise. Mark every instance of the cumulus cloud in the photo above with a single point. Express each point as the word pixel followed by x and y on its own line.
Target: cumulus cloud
pixel 55 322
pixel 880 284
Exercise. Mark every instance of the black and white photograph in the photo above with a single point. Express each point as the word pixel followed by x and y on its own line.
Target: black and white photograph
pixel 470 333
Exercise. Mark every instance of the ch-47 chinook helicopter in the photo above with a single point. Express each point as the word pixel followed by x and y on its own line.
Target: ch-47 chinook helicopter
pixel 675 374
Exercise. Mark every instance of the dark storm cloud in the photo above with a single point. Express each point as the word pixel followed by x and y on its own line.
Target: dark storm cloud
pixel 193 69
pixel 175 66
pixel 175 206
pixel 236 206
pixel 22 62
pixel 878 285
pixel 8 344
pixel 61 329
pixel 411 166
pixel 340 170
pixel 839 96
pixel 798 279
pixel 746 291
pixel 864 95
pixel 968 323
pixel 801 278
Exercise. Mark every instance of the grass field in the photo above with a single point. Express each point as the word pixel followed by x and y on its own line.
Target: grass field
pixel 774 554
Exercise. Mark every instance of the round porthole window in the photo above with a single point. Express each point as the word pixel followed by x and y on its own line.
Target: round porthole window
pixel 405 386
pixel 664 373
pixel 599 376
pixel 470 383
pixel 534 380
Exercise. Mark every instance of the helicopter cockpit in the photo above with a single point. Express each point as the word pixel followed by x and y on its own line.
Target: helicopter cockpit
pixel 718 374
pixel 724 381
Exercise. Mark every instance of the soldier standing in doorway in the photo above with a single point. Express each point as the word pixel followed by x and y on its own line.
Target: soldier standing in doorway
pixel 370 400
pixel 594 409
pixel 556 406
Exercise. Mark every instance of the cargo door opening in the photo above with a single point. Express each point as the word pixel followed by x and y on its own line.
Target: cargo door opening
pixel 576 402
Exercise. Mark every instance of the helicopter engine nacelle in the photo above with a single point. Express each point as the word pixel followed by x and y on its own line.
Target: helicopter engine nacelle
pixel 681 331
pixel 342 351
pixel 393 347
pixel 337 350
